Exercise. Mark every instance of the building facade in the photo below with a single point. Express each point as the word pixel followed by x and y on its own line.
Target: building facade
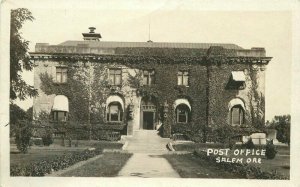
pixel 171 87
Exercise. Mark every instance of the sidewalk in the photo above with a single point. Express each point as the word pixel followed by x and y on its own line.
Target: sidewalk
pixel 147 148
pixel 146 166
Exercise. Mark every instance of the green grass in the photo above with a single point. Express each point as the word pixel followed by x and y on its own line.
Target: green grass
pixel 190 166
pixel 108 165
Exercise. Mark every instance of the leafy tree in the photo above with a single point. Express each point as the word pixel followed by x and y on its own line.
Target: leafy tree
pixel 29 113
pixel 16 113
pixel 283 126
pixel 20 127
pixel 19 57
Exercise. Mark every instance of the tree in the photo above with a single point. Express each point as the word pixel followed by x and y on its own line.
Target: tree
pixel 20 127
pixel 283 126
pixel 19 57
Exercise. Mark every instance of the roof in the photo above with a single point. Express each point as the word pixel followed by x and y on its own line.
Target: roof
pixel 112 44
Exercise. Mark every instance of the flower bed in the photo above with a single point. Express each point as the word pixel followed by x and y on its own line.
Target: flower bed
pixel 47 166
pixel 246 170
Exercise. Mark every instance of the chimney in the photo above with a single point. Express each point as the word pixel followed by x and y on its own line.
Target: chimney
pixel 91 35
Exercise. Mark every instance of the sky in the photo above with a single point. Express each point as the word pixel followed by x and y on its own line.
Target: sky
pixel 174 22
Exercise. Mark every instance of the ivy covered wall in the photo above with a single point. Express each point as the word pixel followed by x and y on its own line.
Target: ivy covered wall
pixel 88 88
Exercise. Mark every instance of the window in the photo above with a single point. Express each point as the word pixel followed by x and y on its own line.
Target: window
pixel 183 78
pixel 114 113
pixel 115 77
pixel 237 115
pixel 60 108
pixel 182 113
pixel 61 74
pixel 60 116
pixel 148 77
pixel 237 80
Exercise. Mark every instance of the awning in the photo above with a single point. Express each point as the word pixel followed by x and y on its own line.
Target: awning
pixel 115 98
pixel 238 76
pixel 235 102
pixel 182 101
pixel 61 103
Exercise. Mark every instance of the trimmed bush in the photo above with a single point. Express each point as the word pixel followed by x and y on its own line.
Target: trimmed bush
pixel 47 166
pixel 249 144
pixel 47 139
pixel 270 150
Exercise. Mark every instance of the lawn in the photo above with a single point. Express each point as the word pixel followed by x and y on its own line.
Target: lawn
pixel 190 166
pixel 37 153
pixel 108 165
pixel 281 163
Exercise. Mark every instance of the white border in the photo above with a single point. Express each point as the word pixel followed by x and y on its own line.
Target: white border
pixel 215 5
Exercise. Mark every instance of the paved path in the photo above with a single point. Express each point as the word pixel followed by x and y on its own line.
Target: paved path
pixel 147 148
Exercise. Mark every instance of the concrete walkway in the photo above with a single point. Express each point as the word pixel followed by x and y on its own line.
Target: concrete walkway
pixel 147 148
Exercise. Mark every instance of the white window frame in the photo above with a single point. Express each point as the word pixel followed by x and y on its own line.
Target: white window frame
pixel 181 75
pixel 63 71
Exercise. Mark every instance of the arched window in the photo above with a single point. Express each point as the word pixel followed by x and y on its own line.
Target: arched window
pixel 236 112
pixel 237 115
pixel 182 113
pixel 60 108
pixel 114 112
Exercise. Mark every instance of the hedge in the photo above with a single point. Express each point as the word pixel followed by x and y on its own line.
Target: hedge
pixel 243 169
pixel 47 166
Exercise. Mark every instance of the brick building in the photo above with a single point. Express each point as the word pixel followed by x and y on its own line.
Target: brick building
pixel 126 86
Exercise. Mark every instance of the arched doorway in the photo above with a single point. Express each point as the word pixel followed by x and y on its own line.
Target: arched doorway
pixel 148 114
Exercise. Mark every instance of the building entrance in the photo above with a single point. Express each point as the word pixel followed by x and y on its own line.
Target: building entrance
pixel 148 120
pixel 148 114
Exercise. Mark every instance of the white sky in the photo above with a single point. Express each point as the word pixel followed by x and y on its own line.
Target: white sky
pixel 174 22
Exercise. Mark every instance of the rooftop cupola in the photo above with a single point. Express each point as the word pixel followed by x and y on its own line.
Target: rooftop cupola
pixel 92 35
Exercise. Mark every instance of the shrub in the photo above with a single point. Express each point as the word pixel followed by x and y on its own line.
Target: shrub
pixel 192 131
pixel 270 150
pixel 47 166
pixel 23 135
pixel 47 139
pixel 249 144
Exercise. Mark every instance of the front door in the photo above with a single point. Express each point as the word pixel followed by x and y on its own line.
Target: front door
pixel 148 120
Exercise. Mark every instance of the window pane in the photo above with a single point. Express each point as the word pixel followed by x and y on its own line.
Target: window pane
pixel 64 77
pixel 58 69
pixel 118 72
pixel 182 113
pixel 111 79
pixel 185 80
pixel 61 116
pixel 152 79
pixel 113 109
pixel 179 80
pixel 117 79
pixel 114 112
pixel 235 116
pixel 58 77
pixel 145 80
pixel 111 72
pixel 146 73
pixel 182 118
